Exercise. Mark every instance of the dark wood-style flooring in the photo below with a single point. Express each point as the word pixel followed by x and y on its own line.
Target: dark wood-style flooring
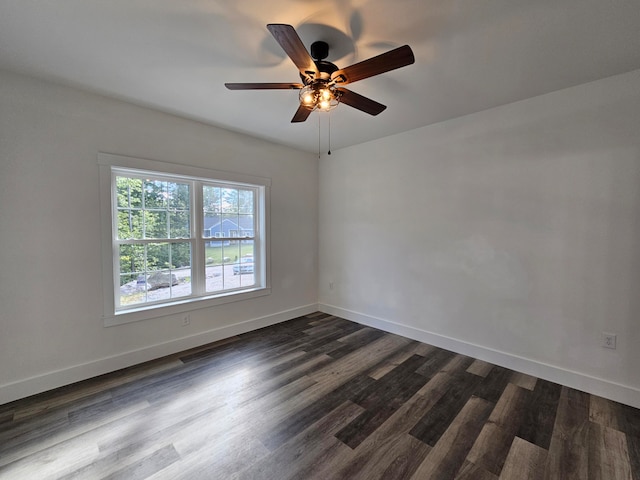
pixel 318 397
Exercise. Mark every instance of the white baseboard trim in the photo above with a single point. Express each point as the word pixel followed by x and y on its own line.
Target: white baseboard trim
pixel 48 381
pixel 580 381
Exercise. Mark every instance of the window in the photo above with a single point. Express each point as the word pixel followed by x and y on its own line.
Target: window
pixel 177 237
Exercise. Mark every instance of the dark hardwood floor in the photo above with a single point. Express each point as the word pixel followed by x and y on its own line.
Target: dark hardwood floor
pixel 318 397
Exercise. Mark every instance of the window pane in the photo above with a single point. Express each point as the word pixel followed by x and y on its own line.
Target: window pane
pixel 211 199
pixel 168 284
pixel 180 255
pixel 214 278
pixel 179 198
pixel 234 271
pixel 129 192
pixel 157 256
pixel 155 224
pixel 245 201
pixel 231 252
pixel 246 267
pixel 230 227
pixel 132 259
pixel 181 269
pixel 229 200
pixel 245 225
pixel 129 224
pixel 179 224
pixel 154 272
pixel 212 225
pixel 246 248
pixel 155 194
pixel 221 257
pixel 132 289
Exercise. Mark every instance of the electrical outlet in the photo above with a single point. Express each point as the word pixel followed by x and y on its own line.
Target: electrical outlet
pixel 609 340
pixel 330 285
pixel 186 319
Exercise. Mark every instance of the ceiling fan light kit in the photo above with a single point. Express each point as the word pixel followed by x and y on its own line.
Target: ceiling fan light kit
pixel 322 86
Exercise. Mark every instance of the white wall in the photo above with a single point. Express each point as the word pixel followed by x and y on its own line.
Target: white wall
pixel 51 331
pixel 512 235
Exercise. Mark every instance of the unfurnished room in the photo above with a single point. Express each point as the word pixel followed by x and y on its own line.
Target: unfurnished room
pixel 293 240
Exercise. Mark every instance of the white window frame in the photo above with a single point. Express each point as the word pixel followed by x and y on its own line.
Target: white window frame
pixel 109 164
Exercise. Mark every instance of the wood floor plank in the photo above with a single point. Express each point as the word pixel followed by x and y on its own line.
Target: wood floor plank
pixel 492 446
pixel 226 421
pixel 24 431
pixel 469 471
pixel 305 417
pixel 366 358
pixel 608 454
pixel 493 385
pixel 633 446
pixel 382 399
pixel 480 368
pixel 435 422
pixel 221 460
pixel 398 462
pixel 629 419
pixel 123 460
pixel 93 388
pixel 510 408
pixel 283 464
pixel 436 360
pixel 448 455
pixel 569 448
pixel 526 461
pixel 395 360
pixel 147 466
pixel 603 412
pixel 358 336
pixel 6 418
pixel 523 380
pixel 424 350
pixel 537 426
pixel 51 463
pixel 39 441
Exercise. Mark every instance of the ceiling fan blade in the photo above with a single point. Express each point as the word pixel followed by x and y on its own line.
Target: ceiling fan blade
pixel 263 86
pixel 290 42
pixel 396 58
pixel 360 102
pixel 301 114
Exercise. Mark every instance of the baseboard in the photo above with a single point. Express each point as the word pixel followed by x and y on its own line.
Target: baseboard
pixel 580 381
pixel 48 381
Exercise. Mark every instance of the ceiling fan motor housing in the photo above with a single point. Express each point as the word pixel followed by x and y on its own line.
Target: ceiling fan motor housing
pixel 319 50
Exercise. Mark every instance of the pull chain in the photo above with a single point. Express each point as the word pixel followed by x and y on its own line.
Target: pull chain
pixel 318 134
pixel 329 152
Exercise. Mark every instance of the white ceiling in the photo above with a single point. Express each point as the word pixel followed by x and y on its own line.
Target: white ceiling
pixel 175 55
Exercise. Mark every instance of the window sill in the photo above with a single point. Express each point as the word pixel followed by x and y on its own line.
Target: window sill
pixel 180 306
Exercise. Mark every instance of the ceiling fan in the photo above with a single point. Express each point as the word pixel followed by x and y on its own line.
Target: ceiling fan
pixel 322 86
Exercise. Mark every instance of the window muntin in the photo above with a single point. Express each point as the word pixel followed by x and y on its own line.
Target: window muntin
pixel 159 255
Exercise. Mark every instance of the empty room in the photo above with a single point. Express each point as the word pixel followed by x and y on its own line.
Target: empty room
pixel 367 239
